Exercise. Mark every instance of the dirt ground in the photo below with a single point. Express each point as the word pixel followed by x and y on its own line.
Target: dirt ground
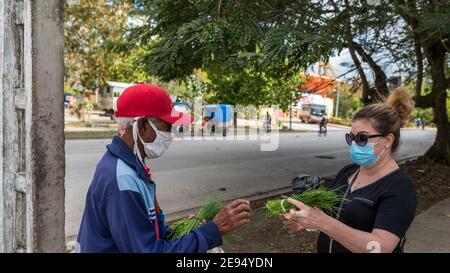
pixel 268 235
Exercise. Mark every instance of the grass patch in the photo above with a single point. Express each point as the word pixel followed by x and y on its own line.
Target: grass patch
pixel 90 134
pixel 340 121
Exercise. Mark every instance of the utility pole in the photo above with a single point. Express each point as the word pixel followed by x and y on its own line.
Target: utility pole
pixel 337 100
pixel 31 126
pixel 290 114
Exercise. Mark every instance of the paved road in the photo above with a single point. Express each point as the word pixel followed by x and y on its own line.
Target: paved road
pixel 192 170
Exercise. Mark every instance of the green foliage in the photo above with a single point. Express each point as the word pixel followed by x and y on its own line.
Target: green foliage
pixel 249 50
pixel 70 90
pixel 252 87
pixel 448 107
pixel 125 68
pixel 426 115
pixel 90 29
pixel 207 212
pixel 340 121
pixel 81 108
pixel 78 110
pixel 214 35
pixel 349 104
pixel 432 19
pixel 326 200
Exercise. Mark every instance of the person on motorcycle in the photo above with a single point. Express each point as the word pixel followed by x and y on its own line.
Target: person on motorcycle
pixel 323 124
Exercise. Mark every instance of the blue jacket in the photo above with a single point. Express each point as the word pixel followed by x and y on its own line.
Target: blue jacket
pixel 120 213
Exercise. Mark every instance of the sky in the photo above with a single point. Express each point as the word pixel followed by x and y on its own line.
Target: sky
pixel 344 57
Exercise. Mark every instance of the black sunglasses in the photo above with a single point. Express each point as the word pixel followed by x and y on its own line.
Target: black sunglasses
pixel 360 139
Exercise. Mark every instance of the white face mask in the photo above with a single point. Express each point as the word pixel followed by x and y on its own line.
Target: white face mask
pixel 157 147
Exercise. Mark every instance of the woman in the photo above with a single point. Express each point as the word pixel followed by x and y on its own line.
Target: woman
pixel 382 198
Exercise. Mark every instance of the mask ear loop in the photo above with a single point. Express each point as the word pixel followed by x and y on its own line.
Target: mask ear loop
pixel 135 138
pixel 384 147
pixel 381 153
pixel 153 126
pixel 139 135
pixel 379 141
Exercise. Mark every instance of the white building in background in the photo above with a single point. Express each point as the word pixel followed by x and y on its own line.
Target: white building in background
pixel 109 95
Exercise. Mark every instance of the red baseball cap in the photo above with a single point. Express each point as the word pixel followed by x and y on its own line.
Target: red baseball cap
pixel 149 100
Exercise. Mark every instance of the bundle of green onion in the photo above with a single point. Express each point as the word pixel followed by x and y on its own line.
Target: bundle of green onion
pixel 326 200
pixel 207 212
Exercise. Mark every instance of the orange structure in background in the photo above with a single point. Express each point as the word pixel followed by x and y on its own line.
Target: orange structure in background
pixel 323 83
pixel 317 88
pixel 317 84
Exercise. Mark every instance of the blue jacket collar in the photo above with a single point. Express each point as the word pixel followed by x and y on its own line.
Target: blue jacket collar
pixel 121 150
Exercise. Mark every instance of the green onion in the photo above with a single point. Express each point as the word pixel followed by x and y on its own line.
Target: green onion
pixel 326 200
pixel 207 212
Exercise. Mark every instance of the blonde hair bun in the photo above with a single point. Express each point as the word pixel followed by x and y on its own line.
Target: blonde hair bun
pixel 401 101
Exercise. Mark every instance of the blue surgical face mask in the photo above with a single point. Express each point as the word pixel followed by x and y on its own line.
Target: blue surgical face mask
pixel 364 155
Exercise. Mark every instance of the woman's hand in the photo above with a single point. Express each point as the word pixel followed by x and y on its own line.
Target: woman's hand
pixel 305 217
pixel 289 220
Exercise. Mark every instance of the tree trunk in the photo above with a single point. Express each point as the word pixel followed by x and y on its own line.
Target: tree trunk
pixel 419 60
pixel 370 94
pixel 362 75
pixel 414 24
pixel 381 91
pixel 440 151
pixel 350 45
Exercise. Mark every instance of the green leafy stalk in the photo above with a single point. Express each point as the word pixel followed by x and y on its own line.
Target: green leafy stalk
pixel 326 200
pixel 207 212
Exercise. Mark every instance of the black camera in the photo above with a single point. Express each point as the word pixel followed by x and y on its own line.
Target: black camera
pixel 304 182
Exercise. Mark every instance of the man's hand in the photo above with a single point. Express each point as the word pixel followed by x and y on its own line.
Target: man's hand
pixel 192 216
pixel 233 216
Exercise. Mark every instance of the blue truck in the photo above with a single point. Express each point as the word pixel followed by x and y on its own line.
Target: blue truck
pixel 217 117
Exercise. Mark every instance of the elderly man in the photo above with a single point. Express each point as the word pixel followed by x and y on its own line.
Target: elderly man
pixel 122 213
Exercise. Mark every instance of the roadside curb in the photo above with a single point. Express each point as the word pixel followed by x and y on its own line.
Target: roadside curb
pixel 171 217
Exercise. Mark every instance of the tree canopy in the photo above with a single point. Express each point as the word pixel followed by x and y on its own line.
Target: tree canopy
pixel 250 52
pixel 89 30
pixel 283 37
